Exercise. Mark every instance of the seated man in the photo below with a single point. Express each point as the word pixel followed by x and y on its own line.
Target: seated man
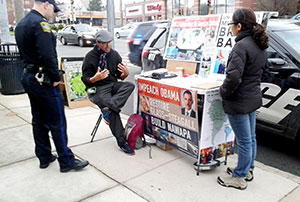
pixel 102 67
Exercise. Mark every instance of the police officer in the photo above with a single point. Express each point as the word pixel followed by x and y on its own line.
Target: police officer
pixel 37 46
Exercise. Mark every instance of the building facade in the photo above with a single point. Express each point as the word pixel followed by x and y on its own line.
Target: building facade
pixel 137 12
pixel 145 11
pixel 167 9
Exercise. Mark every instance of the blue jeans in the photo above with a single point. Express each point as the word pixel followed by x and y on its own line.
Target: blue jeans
pixel 243 126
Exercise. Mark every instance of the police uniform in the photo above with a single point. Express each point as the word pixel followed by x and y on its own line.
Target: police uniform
pixel 37 46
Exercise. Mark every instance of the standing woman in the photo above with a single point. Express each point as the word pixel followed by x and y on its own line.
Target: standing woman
pixel 241 92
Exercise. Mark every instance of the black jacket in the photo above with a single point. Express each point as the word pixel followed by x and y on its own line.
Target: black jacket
pixel 241 90
pixel 91 63
pixel 37 44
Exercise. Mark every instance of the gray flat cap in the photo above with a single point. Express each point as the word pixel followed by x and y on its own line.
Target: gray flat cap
pixel 104 36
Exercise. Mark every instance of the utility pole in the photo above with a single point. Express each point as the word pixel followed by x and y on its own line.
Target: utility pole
pixel 121 13
pixel 185 8
pixel 172 9
pixel 72 11
pixel 4 22
pixel 110 18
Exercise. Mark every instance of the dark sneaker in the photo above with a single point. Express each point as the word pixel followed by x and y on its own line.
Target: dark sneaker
pixel 106 114
pixel 231 181
pixel 127 149
pixel 77 165
pixel 45 165
pixel 249 178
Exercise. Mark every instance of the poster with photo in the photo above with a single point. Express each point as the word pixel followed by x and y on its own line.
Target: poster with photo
pixel 191 36
pixel 170 115
pixel 225 40
pixel 75 86
pixel 224 44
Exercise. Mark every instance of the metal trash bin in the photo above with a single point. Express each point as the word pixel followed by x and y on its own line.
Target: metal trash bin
pixel 10 69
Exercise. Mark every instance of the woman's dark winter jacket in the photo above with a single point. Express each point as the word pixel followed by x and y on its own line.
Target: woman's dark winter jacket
pixel 241 90
pixel 91 63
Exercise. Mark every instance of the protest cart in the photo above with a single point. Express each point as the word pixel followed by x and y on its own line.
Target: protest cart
pixel 196 51
pixel 204 134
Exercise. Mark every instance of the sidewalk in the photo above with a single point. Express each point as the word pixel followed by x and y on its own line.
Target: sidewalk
pixel 112 175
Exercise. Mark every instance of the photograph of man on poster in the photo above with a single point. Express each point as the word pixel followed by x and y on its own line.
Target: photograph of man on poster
pixel 222 67
pixel 187 100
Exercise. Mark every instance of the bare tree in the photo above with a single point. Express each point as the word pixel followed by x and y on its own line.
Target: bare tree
pixel 284 7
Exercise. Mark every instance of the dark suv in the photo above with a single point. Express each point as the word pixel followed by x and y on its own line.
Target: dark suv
pixel 280 89
pixel 138 38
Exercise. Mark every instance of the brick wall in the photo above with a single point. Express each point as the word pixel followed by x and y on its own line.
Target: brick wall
pixel 245 4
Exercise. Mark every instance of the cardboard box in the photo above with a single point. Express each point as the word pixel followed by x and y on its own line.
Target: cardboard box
pixel 163 146
pixel 188 67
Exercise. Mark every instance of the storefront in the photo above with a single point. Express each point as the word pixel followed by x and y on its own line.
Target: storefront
pixel 145 11
pixel 168 9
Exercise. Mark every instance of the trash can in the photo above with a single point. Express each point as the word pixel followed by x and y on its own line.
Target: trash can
pixel 10 69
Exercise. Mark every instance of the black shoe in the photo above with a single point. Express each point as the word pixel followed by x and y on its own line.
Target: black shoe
pixel 127 149
pixel 77 165
pixel 45 165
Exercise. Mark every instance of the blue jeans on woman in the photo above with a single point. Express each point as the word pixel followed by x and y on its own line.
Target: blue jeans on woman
pixel 244 126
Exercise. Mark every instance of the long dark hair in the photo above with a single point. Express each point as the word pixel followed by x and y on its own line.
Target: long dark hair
pixel 247 19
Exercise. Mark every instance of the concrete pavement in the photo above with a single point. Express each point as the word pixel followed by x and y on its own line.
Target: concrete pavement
pixel 112 175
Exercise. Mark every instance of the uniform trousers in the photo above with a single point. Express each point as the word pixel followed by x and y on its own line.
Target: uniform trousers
pixel 47 111
pixel 114 96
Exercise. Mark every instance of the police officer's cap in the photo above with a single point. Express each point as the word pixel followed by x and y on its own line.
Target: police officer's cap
pixel 104 36
pixel 56 9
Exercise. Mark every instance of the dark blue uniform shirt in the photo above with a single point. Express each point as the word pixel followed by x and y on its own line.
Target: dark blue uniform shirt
pixel 37 44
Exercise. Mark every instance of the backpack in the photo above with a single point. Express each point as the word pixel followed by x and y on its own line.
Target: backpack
pixel 134 131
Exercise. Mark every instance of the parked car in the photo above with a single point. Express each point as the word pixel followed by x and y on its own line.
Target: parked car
pixel 125 30
pixel 296 17
pixel 152 55
pixel 138 38
pixel 81 34
pixel 280 88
